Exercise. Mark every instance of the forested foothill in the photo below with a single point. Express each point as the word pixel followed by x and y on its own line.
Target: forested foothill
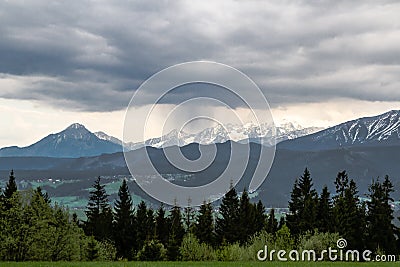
pixel 33 228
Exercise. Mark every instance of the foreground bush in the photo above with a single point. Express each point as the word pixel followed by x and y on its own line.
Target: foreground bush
pixel 152 251
pixel 192 250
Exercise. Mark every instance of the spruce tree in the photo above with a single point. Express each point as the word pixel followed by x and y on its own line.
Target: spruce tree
pixel 380 215
pixel 295 209
pixel 246 218
pixel 227 223
pixel 151 224
pixel 302 206
pixel 324 213
pixel 272 223
pixel 204 228
pixel 177 232
pixel 349 214
pixel 44 195
pixel 260 217
pixel 341 183
pixel 141 226
pixel 189 217
pixel 124 232
pixel 162 226
pixel 11 186
pixel 98 213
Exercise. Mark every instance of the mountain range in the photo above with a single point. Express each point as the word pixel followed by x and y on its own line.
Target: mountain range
pixel 220 134
pixel 366 147
pixel 77 141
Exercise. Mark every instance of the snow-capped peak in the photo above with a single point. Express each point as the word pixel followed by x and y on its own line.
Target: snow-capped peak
pixel 76 126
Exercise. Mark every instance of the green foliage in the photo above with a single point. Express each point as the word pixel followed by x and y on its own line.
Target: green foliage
pixel 11 186
pixel 318 242
pixel 92 249
pixel 324 212
pixel 272 223
pixel 380 215
pixel 124 231
pixel 284 239
pixel 231 252
pixel 192 250
pixel 247 218
pixel 302 206
pixel 107 251
pixel 260 217
pixel 349 214
pixel 177 232
pixel 144 226
pixel 204 227
pixel 152 251
pixel 33 230
pixel 98 213
pixel 189 217
pixel 258 242
pixel 227 223
pixel 162 226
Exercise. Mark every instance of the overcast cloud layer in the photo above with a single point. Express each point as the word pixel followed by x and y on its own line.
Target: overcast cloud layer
pixel 91 55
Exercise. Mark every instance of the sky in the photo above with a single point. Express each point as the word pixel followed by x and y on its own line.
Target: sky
pixel 318 63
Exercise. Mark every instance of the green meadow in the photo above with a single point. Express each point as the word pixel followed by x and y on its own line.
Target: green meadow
pixel 196 264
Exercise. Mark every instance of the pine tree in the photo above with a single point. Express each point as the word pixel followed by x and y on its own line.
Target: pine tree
pixel 177 232
pixel 260 217
pixel 349 214
pixel 341 183
pixel 204 228
pixel 189 216
pixel 44 195
pixel 380 215
pixel 162 226
pixel 272 223
pixel 151 224
pixel 324 213
pixel 227 224
pixel 295 209
pixel 124 234
pixel 302 206
pixel 141 226
pixel 246 218
pixel 99 214
pixel 11 186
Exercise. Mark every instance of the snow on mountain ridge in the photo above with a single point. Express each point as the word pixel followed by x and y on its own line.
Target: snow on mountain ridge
pixel 368 129
pixel 249 132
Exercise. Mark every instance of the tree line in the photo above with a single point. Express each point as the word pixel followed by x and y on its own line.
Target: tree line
pixel 364 224
pixel 34 228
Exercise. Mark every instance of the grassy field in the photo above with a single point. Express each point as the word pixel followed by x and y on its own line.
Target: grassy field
pixel 195 264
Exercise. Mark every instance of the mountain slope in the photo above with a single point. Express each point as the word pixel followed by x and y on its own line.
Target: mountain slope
pixel 382 130
pixel 75 141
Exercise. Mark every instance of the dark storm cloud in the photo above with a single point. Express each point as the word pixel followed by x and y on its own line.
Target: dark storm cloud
pixel 92 55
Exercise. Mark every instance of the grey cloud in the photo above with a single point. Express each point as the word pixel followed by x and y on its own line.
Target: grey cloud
pixel 93 55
